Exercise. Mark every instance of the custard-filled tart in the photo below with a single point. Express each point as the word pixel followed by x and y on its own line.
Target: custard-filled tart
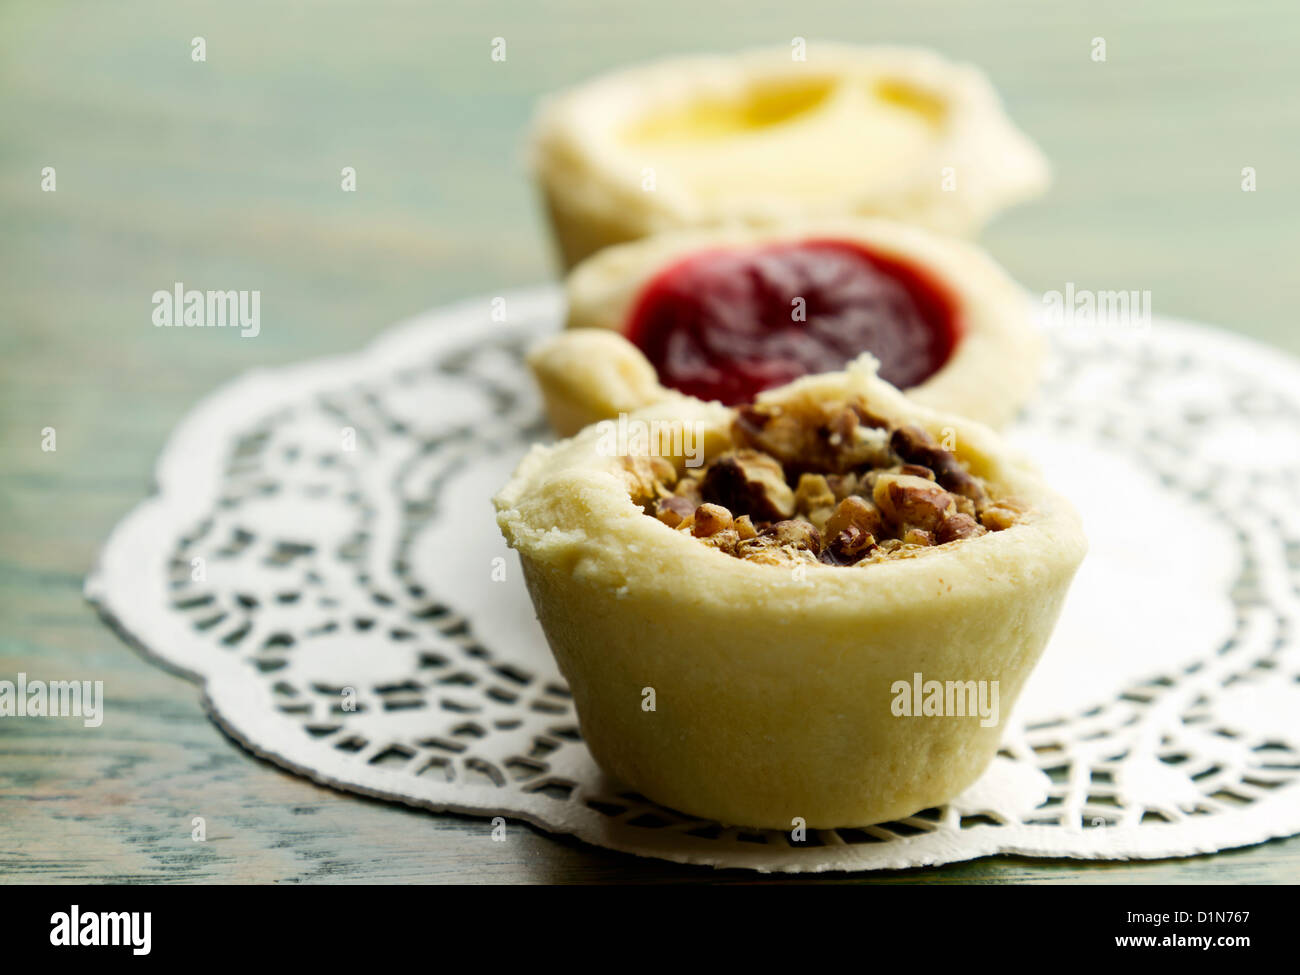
pixel 754 605
pixel 724 314
pixel 760 136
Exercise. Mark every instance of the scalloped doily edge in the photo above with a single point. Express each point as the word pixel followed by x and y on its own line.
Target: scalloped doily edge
pixel 235 399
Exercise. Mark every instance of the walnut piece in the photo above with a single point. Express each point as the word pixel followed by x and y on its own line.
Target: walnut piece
pixel 814 499
pixel 674 509
pixel 1002 514
pixel 648 478
pixel 907 501
pixel 710 519
pixel 787 542
pixel 749 481
pixel 855 512
pixel 916 446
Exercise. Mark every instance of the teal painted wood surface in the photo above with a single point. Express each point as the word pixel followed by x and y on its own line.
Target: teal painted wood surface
pixel 225 174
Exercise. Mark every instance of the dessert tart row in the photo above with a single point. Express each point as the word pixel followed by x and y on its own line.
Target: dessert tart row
pixel 738 596
pixel 723 314
pixel 764 136
pixel 799 526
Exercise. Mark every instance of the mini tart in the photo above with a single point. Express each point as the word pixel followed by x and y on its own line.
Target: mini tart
pixel 715 309
pixel 758 136
pixel 774 672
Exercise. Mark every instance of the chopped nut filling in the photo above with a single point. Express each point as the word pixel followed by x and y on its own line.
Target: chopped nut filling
pixel 833 485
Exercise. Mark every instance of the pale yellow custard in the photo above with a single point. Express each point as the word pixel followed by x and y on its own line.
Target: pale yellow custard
pixel 805 142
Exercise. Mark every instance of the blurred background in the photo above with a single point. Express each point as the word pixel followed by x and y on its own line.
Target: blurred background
pixel 225 174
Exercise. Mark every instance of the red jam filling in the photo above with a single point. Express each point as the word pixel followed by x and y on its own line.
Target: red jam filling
pixel 727 324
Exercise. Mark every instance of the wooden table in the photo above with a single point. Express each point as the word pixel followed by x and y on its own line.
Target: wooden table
pixel 226 174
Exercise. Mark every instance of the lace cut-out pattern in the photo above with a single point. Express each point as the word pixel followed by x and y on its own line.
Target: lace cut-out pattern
pixel 321 555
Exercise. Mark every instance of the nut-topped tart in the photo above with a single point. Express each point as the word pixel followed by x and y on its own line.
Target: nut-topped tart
pixel 735 597
pixel 823 483
pixel 725 314
pixel 771 135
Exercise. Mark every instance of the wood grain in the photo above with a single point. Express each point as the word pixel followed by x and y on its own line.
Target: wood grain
pixel 225 174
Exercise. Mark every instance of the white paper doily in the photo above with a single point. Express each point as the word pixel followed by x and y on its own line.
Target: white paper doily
pixel 323 535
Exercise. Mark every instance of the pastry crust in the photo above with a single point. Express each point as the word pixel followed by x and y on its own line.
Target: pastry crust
pixel 803 139
pixel 591 374
pixel 772 687
pixel 992 371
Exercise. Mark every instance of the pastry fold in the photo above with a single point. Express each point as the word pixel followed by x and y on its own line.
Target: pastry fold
pixel 767 694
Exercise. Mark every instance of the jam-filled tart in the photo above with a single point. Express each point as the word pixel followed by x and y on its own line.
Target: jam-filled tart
pixel 724 314
pixel 764 136
pixel 736 596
